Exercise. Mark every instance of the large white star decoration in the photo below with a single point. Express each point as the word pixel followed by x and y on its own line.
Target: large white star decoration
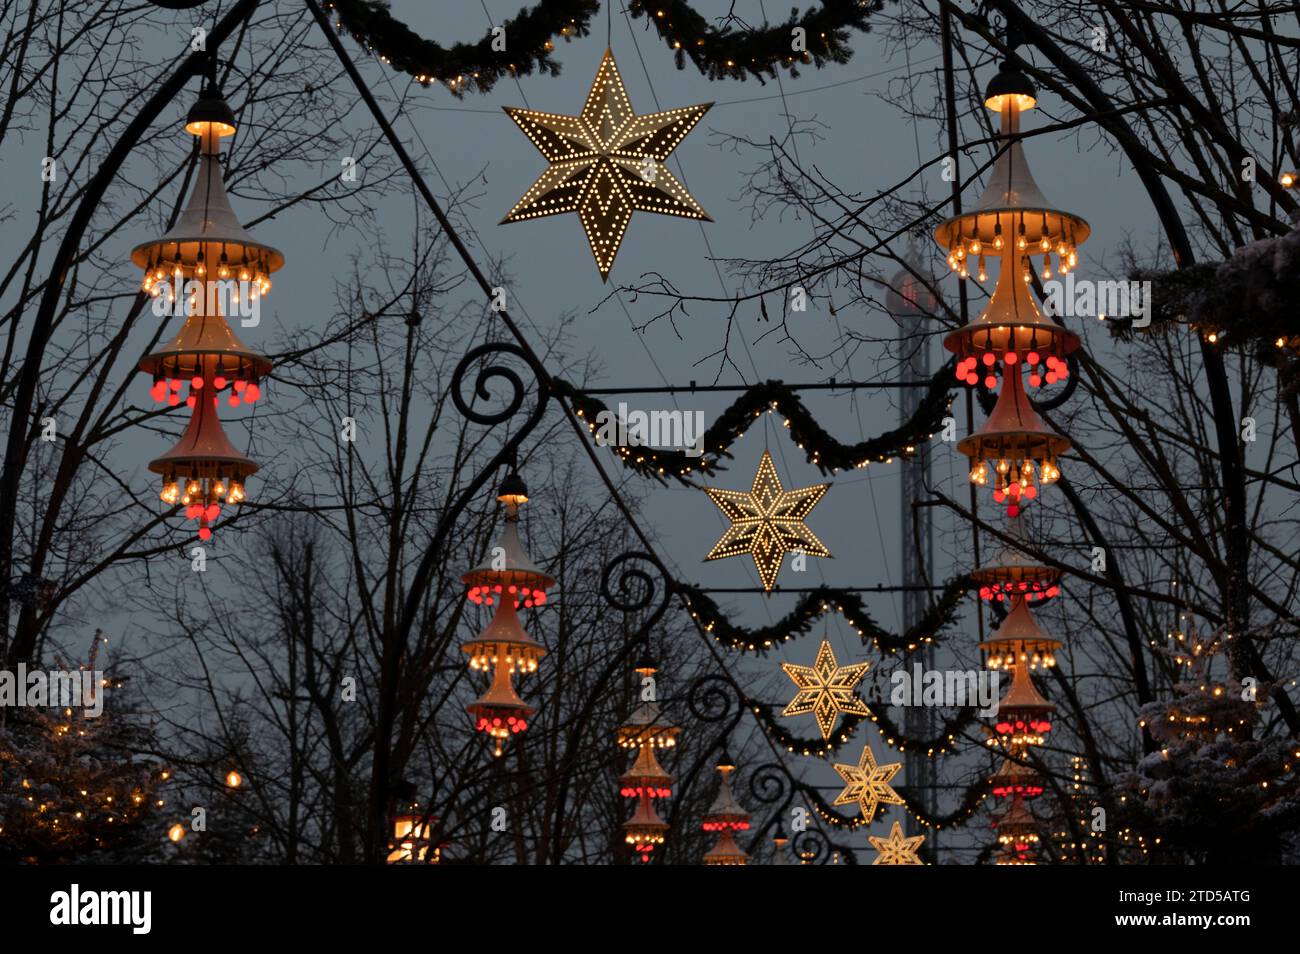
pixel 767 522
pixel 868 784
pixel 607 163
pixel 897 849
pixel 826 689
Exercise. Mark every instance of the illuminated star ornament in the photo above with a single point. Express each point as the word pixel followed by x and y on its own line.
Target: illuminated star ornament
pixel 767 522
pixel 868 784
pixel 607 163
pixel 897 849
pixel 826 689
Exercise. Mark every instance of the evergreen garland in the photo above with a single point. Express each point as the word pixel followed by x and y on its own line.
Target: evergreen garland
pixel 821 449
pixel 738 53
pixel 724 52
pixel 465 66
pixel 811 607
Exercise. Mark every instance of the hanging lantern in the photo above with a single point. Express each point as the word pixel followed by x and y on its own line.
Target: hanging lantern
pixel 1024 717
pixel 1019 641
pixel 645 731
pixel 508 580
pixel 1011 573
pixel 726 817
pixel 205 254
pixel 1015 778
pixel 207 243
pixel 411 843
pixel 1014 448
pixel 1017 828
pixel 205 357
pixel 204 470
pixel 1012 221
pixel 779 841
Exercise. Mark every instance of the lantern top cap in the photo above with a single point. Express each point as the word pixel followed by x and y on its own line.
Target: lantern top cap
pixel 513 489
pixel 1010 86
pixel 210 114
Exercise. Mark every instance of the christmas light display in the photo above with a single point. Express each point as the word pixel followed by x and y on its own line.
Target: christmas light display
pixel 868 784
pixel 606 163
pixel 767 522
pixel 203 266
pixel 645 731
pixel 897 849
pixel 726 817
pixel 826 689
pixel 507 580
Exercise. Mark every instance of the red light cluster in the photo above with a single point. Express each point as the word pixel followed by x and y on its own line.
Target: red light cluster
pixel 515 724
pixel 1049 371
pixel 524 596
pixel 652 791
pixel 1035 590
pixel 1020 726
pixel 168 390
pixel 724 825
pixel 1028 791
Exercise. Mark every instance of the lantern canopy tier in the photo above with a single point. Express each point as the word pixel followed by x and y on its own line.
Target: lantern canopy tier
pixel 645 830
pixel 1019 640
pixel 1017 827
pixel 1020 448
pixel 1011 209
pixel 204 449
pixel 647 726
pixel 725 814
pixel 204 470
pixel 503 642
pixel 206 354
pixel 1011 329
pixel 1011 573
pixel 1015 778
pixel 499 712
pixel 1024 717
pixel 646 777
pixel 726 852
pixel 208 242
pixel 508 571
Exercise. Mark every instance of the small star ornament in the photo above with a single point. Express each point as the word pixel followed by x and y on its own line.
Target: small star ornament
pixel 868 784
pixel 767 522
pixel 606 163
pixel 826 689
pixel 897 849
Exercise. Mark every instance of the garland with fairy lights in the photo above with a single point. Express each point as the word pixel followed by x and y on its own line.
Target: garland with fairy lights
pixel 821 449
pixel 728 52
pixel 530 41
pixel 724 52
pixel 812 606
pixel 1251 301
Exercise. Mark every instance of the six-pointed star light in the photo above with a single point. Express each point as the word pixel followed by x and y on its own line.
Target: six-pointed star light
pixel 767 522
pixel 868 784
pixel 606 163
pixel 897 849
pixel 826 689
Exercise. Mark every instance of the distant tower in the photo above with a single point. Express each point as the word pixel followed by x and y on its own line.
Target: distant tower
pixel 914 306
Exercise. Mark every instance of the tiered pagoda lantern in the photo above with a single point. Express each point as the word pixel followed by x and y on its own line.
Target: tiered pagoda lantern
pixel 646 730
pixel 726 817
pixel 202 266
pixel 507 580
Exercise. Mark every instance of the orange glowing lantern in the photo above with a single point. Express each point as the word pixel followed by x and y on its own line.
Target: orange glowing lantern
pixel 508 580
pixel 646 730
pixel 726 817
